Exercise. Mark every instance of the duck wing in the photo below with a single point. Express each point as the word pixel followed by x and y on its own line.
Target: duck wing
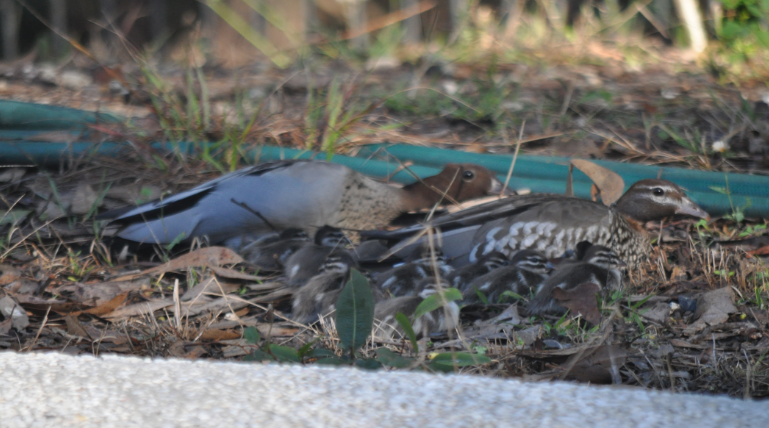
pixel 285 194
pixel 548 223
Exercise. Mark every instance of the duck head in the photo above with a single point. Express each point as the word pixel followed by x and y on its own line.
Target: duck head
pixel 651 200
pixel 328 236
pixel 604 257
pixel 459 182
pixel 423 256
pixel 294 233
pixel 531 260
pixel 494 260
pixel 339 262
pixel 428 286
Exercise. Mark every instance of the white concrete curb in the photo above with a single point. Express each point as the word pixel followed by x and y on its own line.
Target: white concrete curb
pixel 55 390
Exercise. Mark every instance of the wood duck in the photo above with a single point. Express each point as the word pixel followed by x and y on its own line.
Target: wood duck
pixel 461 277
pixel 600 265
pixel 299 194
pixel 555 223
pixel 273 254
pixel 403 280
pixel 437 321
pixel 527 271
pixel 306 262
pixel 318 297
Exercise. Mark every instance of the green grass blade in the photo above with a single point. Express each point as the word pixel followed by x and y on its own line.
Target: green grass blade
pixel 436 301
pixel 406 326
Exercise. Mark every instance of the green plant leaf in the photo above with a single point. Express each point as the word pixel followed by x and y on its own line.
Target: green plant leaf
pixel 320 352
pixel 179 238
pixel 305 349
pixel 252 335
pixel 512 294
pixel 355 312
pixel 333 361
pixel 408 329
pixel 284 353
pixel 368 364
pixel 481 296
pixel 437 300
pixel 459 359
pixel 258 355
pixel 391 359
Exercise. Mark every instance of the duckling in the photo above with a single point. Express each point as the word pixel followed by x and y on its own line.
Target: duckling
pixel 461 277
pixel 273 254
pixel 402 280
pixel 527 270
pixel 318 297
pixel 437 321
pixel 600 265
pixel 306 262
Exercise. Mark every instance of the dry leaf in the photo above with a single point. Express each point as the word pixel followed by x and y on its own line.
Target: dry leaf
pixel 108 307
pixel 275 295
pixel 713 308
pixel 134 193
pixel 179 350
pixel 264 286
pixel 580 300
pixel 10 308
pixel 210 256
pixel 595 365
pixel 74 328
pixel 594 193
pixel 240 313
pixel 83 199
pixel 476 148
pixel 11 175
pixel 233 274
pixel 99 293
pixel 657 313
pixel 611 184
pixel 226 303
pixel 209 285
pixel 217 335
pixel 5 327
pixel 508 316
pixel 8 274
pixel 139 309
pixel 763 251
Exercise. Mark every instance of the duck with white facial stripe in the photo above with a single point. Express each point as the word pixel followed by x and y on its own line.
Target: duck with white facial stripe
pixel 556 223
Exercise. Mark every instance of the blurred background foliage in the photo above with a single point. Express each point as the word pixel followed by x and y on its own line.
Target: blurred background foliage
pixel 730 35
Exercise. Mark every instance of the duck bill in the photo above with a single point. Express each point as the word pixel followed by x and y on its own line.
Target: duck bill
pixel 497 187
pixel 688 207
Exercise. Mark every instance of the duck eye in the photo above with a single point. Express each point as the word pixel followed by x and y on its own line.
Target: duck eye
pixel 468 175
pixel 658 191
